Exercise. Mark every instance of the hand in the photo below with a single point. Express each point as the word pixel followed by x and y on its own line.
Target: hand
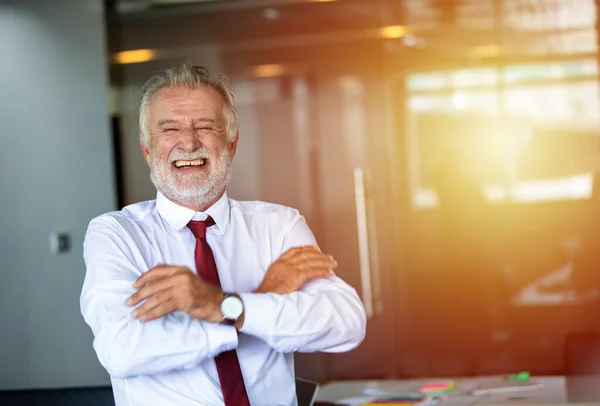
pixel 296 267
pixel 171 288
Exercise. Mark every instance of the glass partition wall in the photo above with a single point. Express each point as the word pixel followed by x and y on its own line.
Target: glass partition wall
pixel 501 145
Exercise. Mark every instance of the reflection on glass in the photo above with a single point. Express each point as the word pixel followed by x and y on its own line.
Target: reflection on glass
pixel 527 133
pixel 504 178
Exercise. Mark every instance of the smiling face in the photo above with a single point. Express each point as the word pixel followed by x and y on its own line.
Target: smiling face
pixel 189 154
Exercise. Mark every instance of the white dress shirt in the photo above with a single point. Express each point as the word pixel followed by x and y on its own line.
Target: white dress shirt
pixel 170 360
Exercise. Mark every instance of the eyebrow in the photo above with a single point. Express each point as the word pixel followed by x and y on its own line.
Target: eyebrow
pixel 205 120
pixel 171 121
pixel 166 121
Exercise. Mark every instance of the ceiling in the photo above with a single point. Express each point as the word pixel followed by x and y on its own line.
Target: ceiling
pixel 438 28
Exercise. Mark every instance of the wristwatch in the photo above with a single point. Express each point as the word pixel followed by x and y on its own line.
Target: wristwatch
pixel 232 308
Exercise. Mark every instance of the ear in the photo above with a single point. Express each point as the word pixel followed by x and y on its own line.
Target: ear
pixel 146 151
pixel 233 144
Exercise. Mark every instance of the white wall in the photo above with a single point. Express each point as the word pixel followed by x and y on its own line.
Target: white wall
pixel 55 175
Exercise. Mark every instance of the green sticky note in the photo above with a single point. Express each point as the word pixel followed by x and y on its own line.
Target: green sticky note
pixel 521 377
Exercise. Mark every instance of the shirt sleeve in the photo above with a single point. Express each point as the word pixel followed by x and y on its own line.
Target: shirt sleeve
pixel 325 315
pixel 125 346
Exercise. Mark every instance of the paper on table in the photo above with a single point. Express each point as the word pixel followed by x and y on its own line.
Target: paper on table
pixel 354 401
pixel 384 393
pixel 504 387
pixel 460 400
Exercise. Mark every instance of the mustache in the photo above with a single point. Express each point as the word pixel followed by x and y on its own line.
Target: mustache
pixel 200 153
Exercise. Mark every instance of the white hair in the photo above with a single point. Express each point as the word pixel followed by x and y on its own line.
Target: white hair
pixel 191 77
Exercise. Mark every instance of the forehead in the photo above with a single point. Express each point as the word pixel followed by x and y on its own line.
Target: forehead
pixel 182 103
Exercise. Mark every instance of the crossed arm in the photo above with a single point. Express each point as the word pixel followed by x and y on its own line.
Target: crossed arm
pixel 299 307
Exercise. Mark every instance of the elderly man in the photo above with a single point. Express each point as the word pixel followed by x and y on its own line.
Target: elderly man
pixel 198 299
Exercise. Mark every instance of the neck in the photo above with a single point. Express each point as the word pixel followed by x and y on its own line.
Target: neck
pixel 194 204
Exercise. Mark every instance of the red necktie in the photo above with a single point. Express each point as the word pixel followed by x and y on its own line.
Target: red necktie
pixel 228 366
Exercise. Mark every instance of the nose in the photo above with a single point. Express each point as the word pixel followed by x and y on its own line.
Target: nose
pixel 189 140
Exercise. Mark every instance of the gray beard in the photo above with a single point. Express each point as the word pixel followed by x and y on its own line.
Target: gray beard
pixel 200 193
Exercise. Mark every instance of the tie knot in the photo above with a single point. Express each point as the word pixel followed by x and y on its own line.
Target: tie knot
pixel 198 228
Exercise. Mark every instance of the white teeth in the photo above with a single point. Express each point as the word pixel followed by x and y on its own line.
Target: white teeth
pixel 197 162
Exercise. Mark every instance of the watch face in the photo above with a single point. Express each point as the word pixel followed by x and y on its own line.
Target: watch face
pixel 232 307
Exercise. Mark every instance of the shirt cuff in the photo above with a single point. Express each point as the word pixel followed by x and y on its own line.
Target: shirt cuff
pixel 259 314
pixel 221 338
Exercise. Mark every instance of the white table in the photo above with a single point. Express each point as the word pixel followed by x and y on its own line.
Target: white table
pixel 554 391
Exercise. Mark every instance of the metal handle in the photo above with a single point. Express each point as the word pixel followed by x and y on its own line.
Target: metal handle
pixel 363 240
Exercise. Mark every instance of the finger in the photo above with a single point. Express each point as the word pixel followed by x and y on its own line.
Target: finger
pixel 317 273
pixel 312 257
pixel 289 253
pixel 292 252
pixel 155 300
pixel 161 310
pixel 159 271
pixel 306 254
pixel 149 290
pixel 320 263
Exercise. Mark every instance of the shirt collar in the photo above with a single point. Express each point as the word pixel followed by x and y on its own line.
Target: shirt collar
pixel 178 216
